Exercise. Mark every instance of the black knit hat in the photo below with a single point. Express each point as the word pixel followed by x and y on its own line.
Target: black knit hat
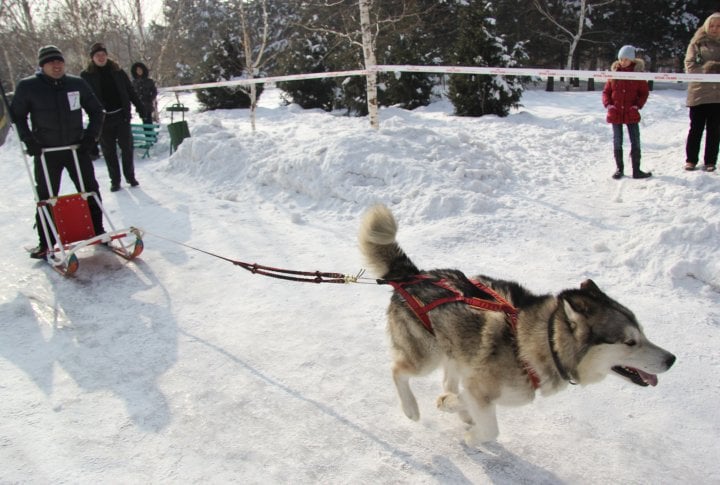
pixel 49 53
pixel 97 47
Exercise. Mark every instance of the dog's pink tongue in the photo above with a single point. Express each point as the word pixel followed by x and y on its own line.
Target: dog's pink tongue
pixel 649 378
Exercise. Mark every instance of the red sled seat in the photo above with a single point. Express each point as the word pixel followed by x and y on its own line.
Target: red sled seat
pixel 72 218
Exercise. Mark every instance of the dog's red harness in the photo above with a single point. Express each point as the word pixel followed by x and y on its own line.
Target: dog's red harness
pixel 498 304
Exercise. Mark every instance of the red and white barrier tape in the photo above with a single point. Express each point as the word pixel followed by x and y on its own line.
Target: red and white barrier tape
pixel 545 73
pixel 492 71
pixel 263 80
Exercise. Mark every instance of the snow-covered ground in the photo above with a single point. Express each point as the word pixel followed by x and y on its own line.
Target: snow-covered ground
pixel 183 368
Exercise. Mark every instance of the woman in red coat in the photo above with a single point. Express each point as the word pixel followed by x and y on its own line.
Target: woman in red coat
pixel 624 98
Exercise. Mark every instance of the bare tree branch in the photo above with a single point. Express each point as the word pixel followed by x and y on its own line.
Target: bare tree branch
pixel 572 38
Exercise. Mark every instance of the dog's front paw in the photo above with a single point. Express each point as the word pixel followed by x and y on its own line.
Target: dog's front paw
pixel 449 402
pixel 476 436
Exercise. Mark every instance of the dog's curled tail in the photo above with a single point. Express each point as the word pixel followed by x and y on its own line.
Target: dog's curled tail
pixel 384 256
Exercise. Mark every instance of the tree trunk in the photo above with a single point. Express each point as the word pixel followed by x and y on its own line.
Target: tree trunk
pixel 253 64
pixel 550 86
pixel 167 43
pixel 139 25
pixel 10 71
pixel 249 68
pixel 253 105
pixel 370 63
pixel 593 67
pixel 577 36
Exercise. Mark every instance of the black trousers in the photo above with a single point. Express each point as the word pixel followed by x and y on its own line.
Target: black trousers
pixel 149 111
pixel 56 162
pixel 116 133
pixel 704 118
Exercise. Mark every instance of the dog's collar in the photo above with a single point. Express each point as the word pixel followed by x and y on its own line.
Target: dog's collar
pixel 556 358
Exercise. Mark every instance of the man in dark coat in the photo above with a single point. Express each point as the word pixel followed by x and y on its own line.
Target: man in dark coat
pixel 113 88
pixel 55 101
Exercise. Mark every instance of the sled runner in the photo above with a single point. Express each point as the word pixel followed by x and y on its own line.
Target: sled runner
pixel 67 221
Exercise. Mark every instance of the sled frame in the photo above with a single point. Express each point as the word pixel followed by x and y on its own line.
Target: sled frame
pixel 66 219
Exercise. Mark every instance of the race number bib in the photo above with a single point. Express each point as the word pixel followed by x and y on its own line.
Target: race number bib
pixel 74 100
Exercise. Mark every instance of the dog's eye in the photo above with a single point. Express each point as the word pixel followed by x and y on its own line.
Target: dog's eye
pixel 631 343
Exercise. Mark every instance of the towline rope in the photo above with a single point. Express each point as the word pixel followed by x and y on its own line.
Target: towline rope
pixel 495 302
pixel 283 274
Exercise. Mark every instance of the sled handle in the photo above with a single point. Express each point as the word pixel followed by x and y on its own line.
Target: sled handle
pixel 72 148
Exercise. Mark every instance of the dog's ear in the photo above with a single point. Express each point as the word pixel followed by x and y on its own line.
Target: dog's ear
pixel 577 310
pixel 590 285
pixel 573 316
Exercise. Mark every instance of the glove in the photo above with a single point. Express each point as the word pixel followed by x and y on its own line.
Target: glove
pixel 87 144
pixel 32 147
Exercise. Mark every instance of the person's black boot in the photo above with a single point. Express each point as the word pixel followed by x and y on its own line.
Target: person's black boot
pixel 619 164
pixel 40 252
pixel 637 173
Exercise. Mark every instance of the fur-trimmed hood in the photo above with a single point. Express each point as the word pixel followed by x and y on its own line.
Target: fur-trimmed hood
pixel 133 70
pixel 701 36
pixel 638 65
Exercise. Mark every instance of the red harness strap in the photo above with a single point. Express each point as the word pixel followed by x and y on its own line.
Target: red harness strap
pixel 498 305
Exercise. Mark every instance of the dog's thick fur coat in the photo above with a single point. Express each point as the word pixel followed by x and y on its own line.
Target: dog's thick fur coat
pixel 580 335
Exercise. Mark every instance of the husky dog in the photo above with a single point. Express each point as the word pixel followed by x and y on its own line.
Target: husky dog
pixel 537 343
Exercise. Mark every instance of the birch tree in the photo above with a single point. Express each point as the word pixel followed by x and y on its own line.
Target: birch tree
pixel 359 23
pixel 368 44
pixel 571 21
pixel 167 34
pixel 254 54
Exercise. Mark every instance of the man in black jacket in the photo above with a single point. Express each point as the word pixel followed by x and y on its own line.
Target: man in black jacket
pixel 55 101
pixel 113 88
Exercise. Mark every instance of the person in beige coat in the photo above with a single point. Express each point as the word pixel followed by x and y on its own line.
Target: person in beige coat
pixel 703 98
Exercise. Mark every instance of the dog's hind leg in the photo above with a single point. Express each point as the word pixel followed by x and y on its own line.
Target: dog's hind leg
pixel 401 375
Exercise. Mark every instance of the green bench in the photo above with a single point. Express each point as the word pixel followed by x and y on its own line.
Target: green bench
pixel 145 136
